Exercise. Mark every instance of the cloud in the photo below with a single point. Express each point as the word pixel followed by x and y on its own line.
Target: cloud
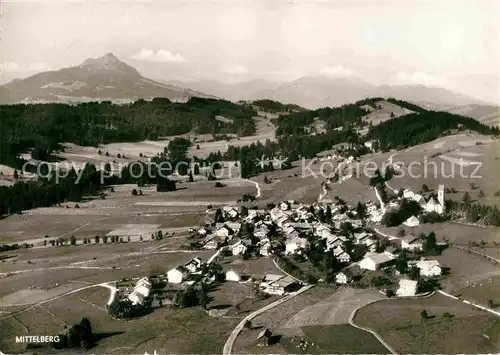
pixel 420 78
pixel 14 67
pixel 161 55
pixel 337 71
pixel 237 69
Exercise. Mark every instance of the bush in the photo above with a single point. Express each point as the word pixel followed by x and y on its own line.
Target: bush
pixel 219 184
pixel 447 315
pixel 424 314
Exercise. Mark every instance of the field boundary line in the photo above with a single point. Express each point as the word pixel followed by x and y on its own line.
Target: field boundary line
pixel 473 304
pixel 228 346
pixel 52 314
pixel 374 333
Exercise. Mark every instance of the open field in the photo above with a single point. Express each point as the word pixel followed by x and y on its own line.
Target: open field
pixel 257 267
pixel 466 269
pixel 457 233
pixel 264 130
pixel 399 323
pixel 335 309
pixel 182 208
pixel 320 316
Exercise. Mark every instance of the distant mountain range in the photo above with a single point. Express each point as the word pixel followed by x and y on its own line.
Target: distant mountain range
pixel 108 78
pixel 104 78
pixel 315 92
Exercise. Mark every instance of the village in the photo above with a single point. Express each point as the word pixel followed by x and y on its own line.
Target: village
pixel 338 241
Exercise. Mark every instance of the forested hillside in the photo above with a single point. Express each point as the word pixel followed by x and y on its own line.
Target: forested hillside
pixel 417 128
pixel 43 126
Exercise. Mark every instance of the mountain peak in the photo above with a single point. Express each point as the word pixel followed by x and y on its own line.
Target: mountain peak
pixel 108 62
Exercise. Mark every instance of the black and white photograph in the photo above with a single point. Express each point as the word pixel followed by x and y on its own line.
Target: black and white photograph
pixel 249 177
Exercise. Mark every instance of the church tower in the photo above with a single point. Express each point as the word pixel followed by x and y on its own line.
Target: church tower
pixel 441 197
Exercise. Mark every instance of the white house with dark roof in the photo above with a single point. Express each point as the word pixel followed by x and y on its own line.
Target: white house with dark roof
pixel 376 261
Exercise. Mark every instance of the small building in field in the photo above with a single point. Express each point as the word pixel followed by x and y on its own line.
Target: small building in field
pixel 265 335
pixel 407 288
pixel 232 275
pixel 343 277
pixel 194 265
pixel 177 275
pixel 376 262
pixel 411 242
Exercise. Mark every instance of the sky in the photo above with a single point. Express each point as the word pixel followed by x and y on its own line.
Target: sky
pixel 451 44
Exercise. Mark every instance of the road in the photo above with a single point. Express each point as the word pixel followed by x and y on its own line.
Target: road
pixel 256 185
pixel 228 346
pixel 286 273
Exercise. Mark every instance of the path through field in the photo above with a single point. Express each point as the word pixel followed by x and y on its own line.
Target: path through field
pixel 336 309
pixel 228 346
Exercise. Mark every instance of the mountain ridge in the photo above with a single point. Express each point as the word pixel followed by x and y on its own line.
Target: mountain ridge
pixel 104 78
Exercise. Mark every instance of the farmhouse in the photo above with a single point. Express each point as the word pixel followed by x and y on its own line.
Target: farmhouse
pixel 407 288
pixel 343 277
pixel 376 261
pixel 341 255
pixel 413 221
pixel 411 242
pixel 264 247
pixel 141 291
pixel 177 275
pixel 277 284
pixel 429 268
pixel 232 275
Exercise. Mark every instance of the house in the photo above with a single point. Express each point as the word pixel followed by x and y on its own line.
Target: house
pixel 143 286
pixel 413 221
pixel 411 242
pixel 231 212
pixel 343 277
pixel 232 275
pixel 193 265
pixel 238 248
pixel 295 245
pixel 278 284
pixel 343 257
pixel 202 231
pixel 223 232
pixel 276 214
pixel 210 244
pixel 284 206
pixel 177 275
pixel 261 232
pixel 407 288
pixel 136 298
pixel 376 262
pixel 264 247
pixel 371 144
pixel 429 268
